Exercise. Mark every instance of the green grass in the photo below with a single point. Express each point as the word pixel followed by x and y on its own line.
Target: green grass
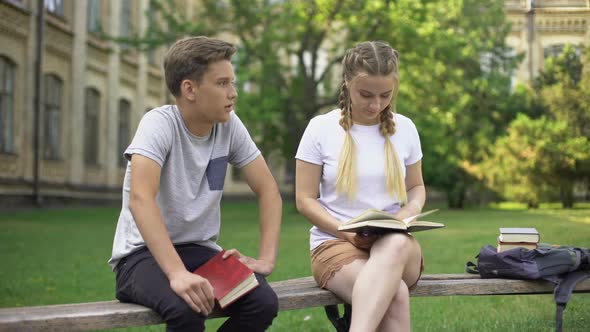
pixel 59 256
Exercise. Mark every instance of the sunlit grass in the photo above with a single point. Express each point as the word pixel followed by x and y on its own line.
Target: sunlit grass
pixel 59 256
pixel 542 206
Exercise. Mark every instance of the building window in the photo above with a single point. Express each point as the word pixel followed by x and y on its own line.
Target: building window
pixel 486 62
pixel 511 54
pixel 124 113
pixel 125 22
pixel 94 15
pixel 151 21
pixel 53 88
pixel 91 121
pixel 151 56
pixel 7 70
pixel 553 51
pixel 55 7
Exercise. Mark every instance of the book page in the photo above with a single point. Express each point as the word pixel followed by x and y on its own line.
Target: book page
pixel 424 225
pixel 372 214
pixel 244 287
pixel 414 217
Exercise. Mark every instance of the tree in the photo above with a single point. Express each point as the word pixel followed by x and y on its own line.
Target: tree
pixel 542 158
pixel 535 161
pixel 456 73
pixel 564 89
pixel 289 51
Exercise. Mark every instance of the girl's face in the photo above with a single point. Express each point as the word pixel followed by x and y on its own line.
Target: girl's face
pixel 369 96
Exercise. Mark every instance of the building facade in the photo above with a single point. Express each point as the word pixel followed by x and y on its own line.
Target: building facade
pixel 95 91
pixel 541 29
pixel 92 97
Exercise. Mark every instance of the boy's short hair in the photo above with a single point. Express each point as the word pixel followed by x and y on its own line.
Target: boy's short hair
pixel 190 57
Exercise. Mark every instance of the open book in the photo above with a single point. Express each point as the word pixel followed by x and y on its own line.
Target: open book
pixel 230 278
pixel 377 222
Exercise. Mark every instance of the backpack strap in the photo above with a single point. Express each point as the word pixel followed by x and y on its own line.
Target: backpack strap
pixel 584 258
pixel 563 292
pixel 471 267
pixel 341 324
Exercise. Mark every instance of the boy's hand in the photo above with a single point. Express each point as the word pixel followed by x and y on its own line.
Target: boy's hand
pixel 257 265
pixel 195 290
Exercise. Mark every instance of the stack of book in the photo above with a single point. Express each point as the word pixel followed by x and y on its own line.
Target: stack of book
pixel 511 238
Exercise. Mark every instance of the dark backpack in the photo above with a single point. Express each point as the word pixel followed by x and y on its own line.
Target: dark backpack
pixel 561 265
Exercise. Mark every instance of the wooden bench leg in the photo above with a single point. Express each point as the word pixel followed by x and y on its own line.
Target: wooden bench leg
pixel 342 324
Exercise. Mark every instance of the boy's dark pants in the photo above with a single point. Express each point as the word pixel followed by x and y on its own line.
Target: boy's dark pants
pixel 140 280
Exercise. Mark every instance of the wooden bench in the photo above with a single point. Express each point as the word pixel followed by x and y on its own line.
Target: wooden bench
pixel 293 294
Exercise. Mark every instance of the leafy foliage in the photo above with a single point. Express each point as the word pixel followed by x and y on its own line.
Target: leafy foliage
pixel 455 68
pixel 535 160
pixel 456 73
pixel 544 158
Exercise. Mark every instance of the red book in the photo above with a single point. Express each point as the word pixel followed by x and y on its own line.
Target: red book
pixel 230 278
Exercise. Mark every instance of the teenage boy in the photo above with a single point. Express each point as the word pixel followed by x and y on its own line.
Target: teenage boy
pixel 170 218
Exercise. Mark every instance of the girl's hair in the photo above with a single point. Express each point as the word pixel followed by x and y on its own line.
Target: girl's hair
pixel 372 58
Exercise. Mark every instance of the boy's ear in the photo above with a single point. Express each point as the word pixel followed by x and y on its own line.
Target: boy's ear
pixel 188 89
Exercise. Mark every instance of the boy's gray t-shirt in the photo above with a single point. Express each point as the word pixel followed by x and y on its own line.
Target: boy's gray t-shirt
pixel 192 175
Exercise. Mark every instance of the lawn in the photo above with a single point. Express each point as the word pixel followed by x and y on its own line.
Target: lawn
pixel 58 256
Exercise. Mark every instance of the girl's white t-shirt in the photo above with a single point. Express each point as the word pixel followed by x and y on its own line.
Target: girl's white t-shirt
pixel 321 144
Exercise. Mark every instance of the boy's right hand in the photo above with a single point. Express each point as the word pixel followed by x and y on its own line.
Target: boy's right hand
pixel 195 290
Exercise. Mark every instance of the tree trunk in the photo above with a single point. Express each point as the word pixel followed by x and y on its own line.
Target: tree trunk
pixel 456 197
pixel 566 193
pixel 295 128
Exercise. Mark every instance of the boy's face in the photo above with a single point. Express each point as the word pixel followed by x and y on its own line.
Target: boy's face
pixel 216 93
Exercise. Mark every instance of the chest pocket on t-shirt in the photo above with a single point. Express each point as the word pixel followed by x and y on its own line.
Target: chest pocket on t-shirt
pixel 216 172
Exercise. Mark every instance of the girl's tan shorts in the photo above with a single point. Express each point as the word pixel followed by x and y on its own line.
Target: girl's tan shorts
pixel 330 256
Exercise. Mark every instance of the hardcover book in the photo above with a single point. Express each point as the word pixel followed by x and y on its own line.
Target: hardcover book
pixel 376 222
pixel 230 278
pixel 503 246
pixel 513 234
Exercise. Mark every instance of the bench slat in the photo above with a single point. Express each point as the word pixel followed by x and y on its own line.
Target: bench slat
pixel 293 294
pixel 489 287
pixel 76 317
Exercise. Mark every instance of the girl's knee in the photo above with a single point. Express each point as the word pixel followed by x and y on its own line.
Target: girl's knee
pixel 403 245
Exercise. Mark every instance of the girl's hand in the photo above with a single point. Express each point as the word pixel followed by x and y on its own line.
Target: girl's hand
pixel 407 211
pixel 361 241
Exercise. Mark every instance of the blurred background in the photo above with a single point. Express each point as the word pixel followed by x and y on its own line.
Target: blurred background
pixel 499 90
